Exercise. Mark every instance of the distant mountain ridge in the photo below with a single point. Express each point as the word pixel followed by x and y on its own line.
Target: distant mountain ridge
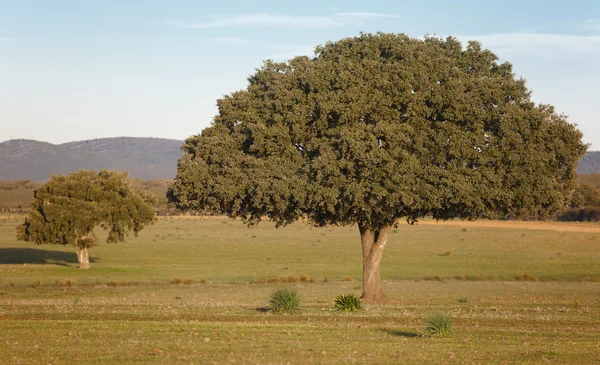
pixel 590 163
pixel 143 158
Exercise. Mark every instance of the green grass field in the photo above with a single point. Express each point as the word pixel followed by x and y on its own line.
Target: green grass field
pixel 191 290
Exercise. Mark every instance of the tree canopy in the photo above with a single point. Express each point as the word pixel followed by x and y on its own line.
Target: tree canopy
pixel 378 128
pixel 66 210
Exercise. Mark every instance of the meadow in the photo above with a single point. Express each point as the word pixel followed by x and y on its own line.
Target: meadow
pixel 196 290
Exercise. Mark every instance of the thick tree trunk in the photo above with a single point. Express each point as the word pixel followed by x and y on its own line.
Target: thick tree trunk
pixel 83 258
pixel 373 243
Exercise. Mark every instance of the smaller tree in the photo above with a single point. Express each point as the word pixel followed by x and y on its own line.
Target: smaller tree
pixel 68 208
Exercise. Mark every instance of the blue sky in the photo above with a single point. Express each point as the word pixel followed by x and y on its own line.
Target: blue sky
pixel 72 70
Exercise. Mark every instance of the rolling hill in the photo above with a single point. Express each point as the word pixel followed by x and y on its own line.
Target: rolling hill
pixel 590 163
pixel 144 158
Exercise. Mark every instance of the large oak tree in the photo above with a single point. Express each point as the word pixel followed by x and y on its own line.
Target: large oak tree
pixel 66 210
pixel 378 128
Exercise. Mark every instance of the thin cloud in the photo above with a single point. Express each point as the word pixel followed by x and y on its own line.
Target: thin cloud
pixel 364 15
pixel 285 21
pixel 592 24
pixel 528 43
pixel 266 21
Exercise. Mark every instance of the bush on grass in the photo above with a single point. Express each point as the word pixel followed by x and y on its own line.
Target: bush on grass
pixel 347 303
pixel 438 324
pixel 285 300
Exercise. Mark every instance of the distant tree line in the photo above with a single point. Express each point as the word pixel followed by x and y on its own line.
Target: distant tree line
pixel 16 195
pixel 585 204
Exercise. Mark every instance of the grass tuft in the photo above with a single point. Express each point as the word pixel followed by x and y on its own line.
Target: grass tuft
pixel 347 303
pixel 285 300
pixel 285 279
pixel 117 283
pixel 36 284
pixel 68 283
pixel 438 324
pixel 526 277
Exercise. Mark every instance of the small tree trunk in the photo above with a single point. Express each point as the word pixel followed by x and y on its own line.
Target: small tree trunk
pixel 83 258
pixel 373 243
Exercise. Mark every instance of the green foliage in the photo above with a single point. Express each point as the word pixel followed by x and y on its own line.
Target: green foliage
pixel 16 195
pixel 159 188
pixel 285 300
pixel 585 195
pixel 67 208
pixel 585 202
pixel 438 324
pixel 381 127
pixel 347 303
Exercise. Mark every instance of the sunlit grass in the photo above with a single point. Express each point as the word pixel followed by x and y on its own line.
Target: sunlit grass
pixel 195 291
pixel 222 250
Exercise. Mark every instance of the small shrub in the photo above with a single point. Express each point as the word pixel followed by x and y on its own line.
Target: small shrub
pixel 347 303
pixel 463 300
pixel 285 300
pixel 438 324
pixel 289 279
pixel 447 253
pixel 526 277
pixel 347 279
pixel 187 281
pixel 585 214
pixel 36 284
pixel 177 281
pixel 117 283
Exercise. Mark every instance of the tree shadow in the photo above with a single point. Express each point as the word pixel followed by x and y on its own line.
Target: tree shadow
pixel 38 256
pixel 400 333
